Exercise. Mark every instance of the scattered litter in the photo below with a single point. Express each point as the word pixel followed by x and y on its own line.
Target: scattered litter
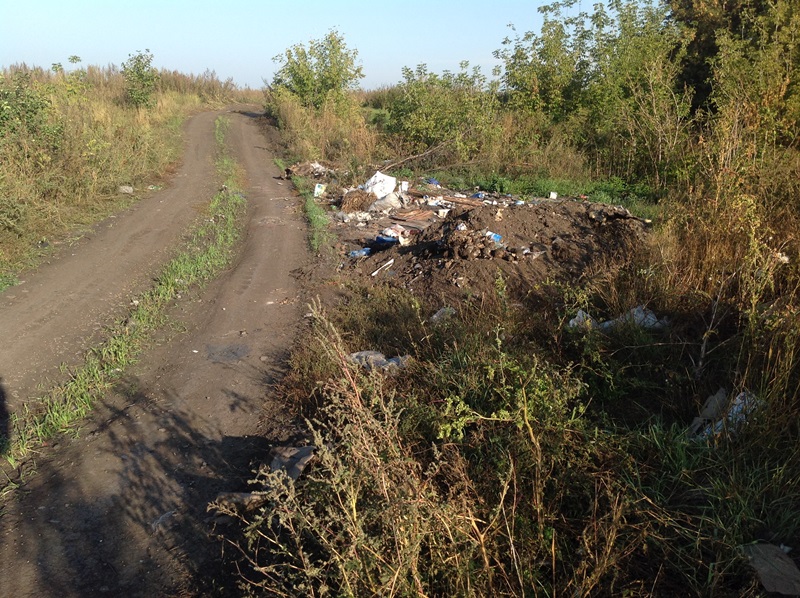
pixel 154 188
pixel 714 417
pixel 776 571
pixel 419 216
pixel 553 195
pixel 373 360
pixel 319 189
pixel 356 200
pixel 380 185
pixel 386 265
pixel 384 240
pixel 292 459
pixel 125 189
pixel 353 216
pixel 639 316
pixel 442 315
pixel 403 186
pixel 387 203
pixel 533 254
pixel 493 237
pixel 161 522
pixel 711 411
pixel 306 169
pixel 583 321
pixel 433 182
pixel 781 258
pixel 400 233
pixel 447 256
pixel 363 252
pixel 248 501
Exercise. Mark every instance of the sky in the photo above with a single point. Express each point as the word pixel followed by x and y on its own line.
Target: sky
pixel 239 39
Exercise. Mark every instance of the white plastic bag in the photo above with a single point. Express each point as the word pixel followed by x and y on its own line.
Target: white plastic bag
pixel 380 184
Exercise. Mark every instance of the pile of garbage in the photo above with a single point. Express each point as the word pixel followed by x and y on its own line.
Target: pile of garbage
pixel 449 244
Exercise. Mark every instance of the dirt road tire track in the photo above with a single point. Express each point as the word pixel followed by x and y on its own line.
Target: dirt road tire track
pixel 121 510
pixel 61 308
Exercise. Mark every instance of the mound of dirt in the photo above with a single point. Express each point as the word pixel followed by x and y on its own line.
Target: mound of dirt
pixel 462 255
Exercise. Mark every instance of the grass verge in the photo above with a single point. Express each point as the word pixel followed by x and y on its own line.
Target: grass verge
pixel 206 252
pixel 318 219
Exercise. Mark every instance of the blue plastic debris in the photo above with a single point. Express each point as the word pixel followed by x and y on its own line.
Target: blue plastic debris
pixel 494 237
pixel 386 240
pixel 479 195
pixel 360 252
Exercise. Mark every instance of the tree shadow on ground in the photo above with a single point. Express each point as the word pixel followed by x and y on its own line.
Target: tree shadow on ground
pixel 128 514
pixel 5 430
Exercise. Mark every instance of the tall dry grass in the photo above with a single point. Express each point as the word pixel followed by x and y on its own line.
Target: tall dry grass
pixel 336 132
pixel 73 140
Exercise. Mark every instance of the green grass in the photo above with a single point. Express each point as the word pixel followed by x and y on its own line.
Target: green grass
pixel 207 251
pixel 318 219
pixel 7 281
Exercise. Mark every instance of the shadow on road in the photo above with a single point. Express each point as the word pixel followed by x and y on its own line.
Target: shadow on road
pixel 128 517
pixel 5 430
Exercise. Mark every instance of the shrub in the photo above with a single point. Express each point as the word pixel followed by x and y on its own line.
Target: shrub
pixel 454 109
pixel 325 69
pixel 140 79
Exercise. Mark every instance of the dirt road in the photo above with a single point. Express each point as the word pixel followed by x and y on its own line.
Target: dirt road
pixel 120 510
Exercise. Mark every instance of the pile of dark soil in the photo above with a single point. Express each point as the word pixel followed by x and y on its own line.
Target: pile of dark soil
pixel 463 255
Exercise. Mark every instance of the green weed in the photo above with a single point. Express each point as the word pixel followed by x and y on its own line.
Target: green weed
pixel 318 219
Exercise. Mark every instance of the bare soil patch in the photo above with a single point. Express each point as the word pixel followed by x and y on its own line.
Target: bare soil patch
pixel 461 256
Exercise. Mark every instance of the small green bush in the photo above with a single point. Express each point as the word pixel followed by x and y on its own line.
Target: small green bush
pixel 140 79
pixel 325 69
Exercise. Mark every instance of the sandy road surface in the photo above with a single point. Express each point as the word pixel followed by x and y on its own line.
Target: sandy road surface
pixel 120 510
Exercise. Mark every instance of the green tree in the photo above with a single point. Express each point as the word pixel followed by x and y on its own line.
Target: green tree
pixel 609 79
pixel 708 19
pixel 324 70
pixel 454 108
pixel 140 79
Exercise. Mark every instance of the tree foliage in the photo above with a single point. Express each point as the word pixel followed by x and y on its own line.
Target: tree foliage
pixel 140 79
pixel 458 108
pixel 324 70
pixel 609 78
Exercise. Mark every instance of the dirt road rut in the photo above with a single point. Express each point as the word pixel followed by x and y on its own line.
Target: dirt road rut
pixel 120 511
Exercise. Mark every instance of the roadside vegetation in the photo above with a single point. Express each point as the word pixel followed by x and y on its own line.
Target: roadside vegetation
pixel 514 455
pixel 71 136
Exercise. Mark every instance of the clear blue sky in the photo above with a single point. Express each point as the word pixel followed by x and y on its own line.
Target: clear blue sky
pixel 239 39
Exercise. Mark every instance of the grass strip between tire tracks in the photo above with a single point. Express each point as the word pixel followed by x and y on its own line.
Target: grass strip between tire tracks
pixel 318 219
pixel 206 252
